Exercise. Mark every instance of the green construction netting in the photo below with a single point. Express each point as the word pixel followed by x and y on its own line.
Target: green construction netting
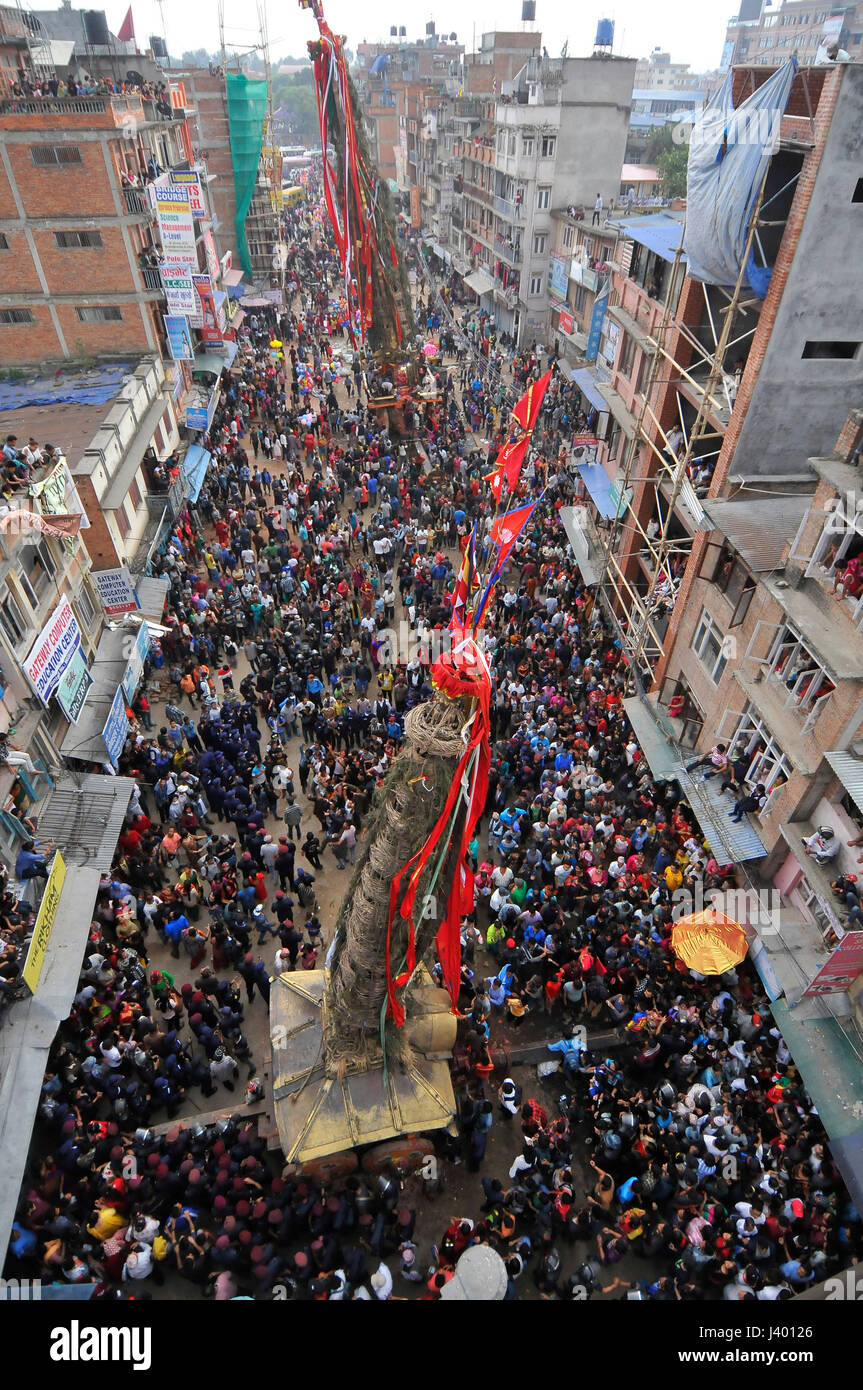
pixel 247 109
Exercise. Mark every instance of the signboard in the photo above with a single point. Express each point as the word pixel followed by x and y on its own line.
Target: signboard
pixel 583 275
pixel 52 651
pixel 180 293
pixel 213 264
pixel 416 219
pixel 566 323
pixel 116 590
pixel 840 969
pixel 174 215
pixel 116 727
pixel 45 920
pixel 211 333
pixel 190 179
pixel 596 322
pixel 74 687
pixel 226 263
pixel 58 495
pixel 200 407
pixel 558 279
pixel 180 344
pixel 135 668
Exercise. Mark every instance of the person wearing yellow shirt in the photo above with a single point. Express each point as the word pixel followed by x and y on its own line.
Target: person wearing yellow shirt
pixel 386 680
pixel 673 877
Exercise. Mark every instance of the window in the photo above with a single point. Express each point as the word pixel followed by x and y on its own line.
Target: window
pixel 580 299
pixel 4 244
pixel 527 146
pixel 16 316
pixel 134 495
pixel 768 763
pixel 55 154
pixel 122 522
pixel 540 243
pixel 535 286
pixel 12 620
pixel 510 146
pixel 711 647
pixel 626 356
pixel 543 197
pixel 86 608
pixel 723 568
pixel 38 570
pixel 569 233
pixel 548 146
pixel 68 241
pixel 108 313
pixel 837 351
pixel 793 665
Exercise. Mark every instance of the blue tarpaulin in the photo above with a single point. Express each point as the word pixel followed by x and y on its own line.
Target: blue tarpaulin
pixel 658 233
pixel 94 387
pixel 195 466
pixel 728 158
pixel 607 501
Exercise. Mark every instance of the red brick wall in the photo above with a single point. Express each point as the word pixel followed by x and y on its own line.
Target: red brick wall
pixel 97 537
pixel 17 270
pixel 99 338
pixel 29 342
pixel 90 270
pixel 59 190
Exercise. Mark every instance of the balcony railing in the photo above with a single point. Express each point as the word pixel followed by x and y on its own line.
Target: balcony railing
pixel 511 254
pixel 137 202
pixel 505 207
pixel 152 279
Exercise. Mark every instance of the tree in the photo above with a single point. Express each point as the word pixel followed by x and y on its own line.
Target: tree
pixel 672 165
pixel 195 58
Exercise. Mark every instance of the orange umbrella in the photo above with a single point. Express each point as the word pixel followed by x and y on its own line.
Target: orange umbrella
pixel 708 942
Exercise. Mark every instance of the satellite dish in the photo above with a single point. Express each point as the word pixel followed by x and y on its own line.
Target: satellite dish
pixel 136 77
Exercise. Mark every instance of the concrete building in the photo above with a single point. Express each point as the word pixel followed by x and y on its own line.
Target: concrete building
pixel 555 137
pixel 76 237
pixel 764 34
pixel 658 73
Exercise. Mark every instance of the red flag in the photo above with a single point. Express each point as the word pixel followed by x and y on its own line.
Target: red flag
pixel 511 458
pixel 126 33
pixel 527 409
pixel 507 529
pixel 495 482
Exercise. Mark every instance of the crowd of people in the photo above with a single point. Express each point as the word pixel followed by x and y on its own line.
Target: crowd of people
pixel 308 588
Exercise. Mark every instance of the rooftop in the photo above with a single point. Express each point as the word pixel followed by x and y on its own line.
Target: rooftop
pixel 65 409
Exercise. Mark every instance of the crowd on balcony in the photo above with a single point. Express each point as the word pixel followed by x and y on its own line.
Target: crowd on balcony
pixel 54 88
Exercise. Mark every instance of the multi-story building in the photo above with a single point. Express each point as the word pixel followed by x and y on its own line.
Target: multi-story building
pixel 658 73
pixel 79 240
pixel 764 34
pixel 719 519
pixel 580 268
pixel 555 137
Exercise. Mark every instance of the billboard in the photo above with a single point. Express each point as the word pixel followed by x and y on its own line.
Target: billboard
pixel 558 278
pixel 190 179
pixel 180 292
pixel 212 335
pixel 52 651
pixel 596 321
pixel 116 727
pixel 840 969
pixel 180 344
pixel 116 590
pixel 74 686
pixel 174 215
pixel 135 668
pixel 565 322
pixel 416 219
pixel 44 923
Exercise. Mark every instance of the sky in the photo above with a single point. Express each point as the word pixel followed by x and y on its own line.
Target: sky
pixel 692 34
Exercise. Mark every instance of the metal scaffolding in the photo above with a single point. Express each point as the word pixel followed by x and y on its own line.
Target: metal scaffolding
pixel 640 618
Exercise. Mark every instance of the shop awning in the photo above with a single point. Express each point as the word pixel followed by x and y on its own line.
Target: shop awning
pixel 587 385
pixel 84 740
pixel 479 282
pixel 208 362
pixel 604 494
pixel 574 523
pixel 658 746
pixel 83 816
pixel 615 403
pixel 730 842
pixel 232 278
pixel 195 466
pixel 759 528
pixel 238 320
pixel 152 594
pixel 849 770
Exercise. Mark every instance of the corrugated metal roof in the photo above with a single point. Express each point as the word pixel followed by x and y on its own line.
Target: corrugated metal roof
pixel 849 770
pixel 731 842
pixel 759 528
pixel 662 754
pixel 659 233
pixel 84 816
pixel 574 524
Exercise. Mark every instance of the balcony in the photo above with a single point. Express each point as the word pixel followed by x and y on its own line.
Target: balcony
pixel 505 207
pixel 137 202
pixel 508 294
pixel 152 279
pixel 507 252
